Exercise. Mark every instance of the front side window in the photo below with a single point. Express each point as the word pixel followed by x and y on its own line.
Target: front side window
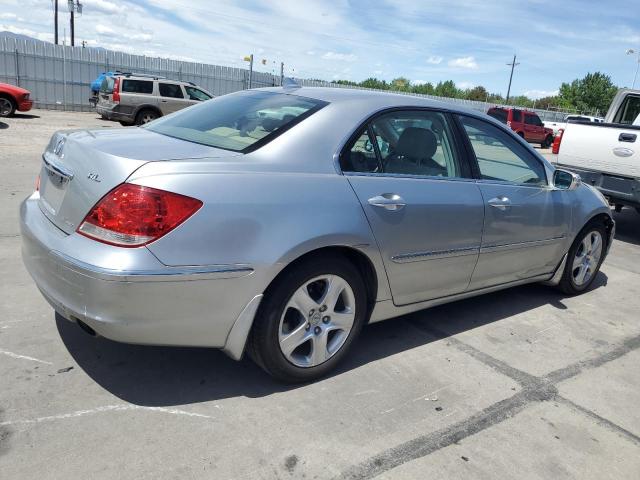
pixel 170 90
pixel 405 143
pixel 500 156
pixel 196 94
pixel 529 120
pixel 238 122
pixel 137 86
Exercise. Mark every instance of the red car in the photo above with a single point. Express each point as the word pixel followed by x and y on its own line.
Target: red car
pixel 525 123
pixel 14 98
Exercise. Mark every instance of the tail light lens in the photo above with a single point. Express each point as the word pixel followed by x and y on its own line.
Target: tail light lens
pixel 555 148
pixel 132 215
pixel 116 90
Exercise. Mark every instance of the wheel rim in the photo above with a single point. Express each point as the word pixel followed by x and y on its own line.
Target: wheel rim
pixel 148 117
pixel 587 258
pixel 5 107
pixel 317 320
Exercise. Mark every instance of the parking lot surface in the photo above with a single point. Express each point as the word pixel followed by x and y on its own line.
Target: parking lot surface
pixel 521 383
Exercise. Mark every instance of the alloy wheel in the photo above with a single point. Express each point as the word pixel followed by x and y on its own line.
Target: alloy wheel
pixel 587 258
pixel 317 320
pixel 5 107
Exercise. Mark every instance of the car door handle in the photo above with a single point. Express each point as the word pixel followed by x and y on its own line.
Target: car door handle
pixel 627 137
pixel 501 203
pixel 388 201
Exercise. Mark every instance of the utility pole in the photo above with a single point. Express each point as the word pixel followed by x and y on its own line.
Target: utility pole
pixel 631 51
pixel 73 8
pixel 55 21
pixel 512 65
pixel 281 73
pixel 251 71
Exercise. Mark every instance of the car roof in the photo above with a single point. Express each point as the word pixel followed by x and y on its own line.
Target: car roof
pixel 373 98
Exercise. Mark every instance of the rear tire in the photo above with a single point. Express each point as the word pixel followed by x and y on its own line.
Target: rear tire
pixel 309 319
pixel 7 107
pixel 145 116
pixel 547 142
pixel 584 259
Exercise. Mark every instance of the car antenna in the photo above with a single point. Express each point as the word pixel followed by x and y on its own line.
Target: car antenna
pixel 289 83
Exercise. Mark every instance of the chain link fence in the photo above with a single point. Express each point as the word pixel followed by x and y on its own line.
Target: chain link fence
pixel 59 77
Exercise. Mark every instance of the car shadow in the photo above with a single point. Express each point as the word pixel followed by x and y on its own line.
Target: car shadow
pixel 627 226
pixel 25 116
pixel 170 376
pixel 3 126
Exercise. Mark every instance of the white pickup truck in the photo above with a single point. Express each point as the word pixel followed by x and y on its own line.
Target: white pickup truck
pixel 607 155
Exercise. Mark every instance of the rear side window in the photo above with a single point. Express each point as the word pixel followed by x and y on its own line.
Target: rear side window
pixel 137 86
pixel 516 115
pixel 629 110
pixel 170 90
pixel 529 120
pixel 240 122
pixel 412 143
pixel 500 157
pixel 499 114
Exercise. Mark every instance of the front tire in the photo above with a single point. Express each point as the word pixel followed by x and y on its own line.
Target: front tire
pixel 584 259
pixel 309 319
pixel 547 142
pixel 7 107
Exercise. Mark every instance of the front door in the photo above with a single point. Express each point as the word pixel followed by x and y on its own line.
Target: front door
pixel 171 97
pixel 526 220
pixel 425 211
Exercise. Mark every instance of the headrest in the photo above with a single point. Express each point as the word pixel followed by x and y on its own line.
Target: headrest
pixel 417 143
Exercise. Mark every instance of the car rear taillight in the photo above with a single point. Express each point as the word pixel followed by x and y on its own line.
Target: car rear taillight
pixel 131 215
pixel 555 148
pixel 116 90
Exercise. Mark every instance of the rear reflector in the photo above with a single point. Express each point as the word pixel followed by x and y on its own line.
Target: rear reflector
pixel 131 215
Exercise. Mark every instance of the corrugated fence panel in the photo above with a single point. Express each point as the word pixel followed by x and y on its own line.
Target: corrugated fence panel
pixel 59 77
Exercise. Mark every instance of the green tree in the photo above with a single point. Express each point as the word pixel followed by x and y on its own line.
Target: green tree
pixel 401 83
pixel 594 92
pixel 424 88
pixel 372 82
pixel 478 93
pixel 447 89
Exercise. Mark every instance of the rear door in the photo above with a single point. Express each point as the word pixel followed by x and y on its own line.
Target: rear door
pixel 425 211
pixel 525 221
pixel 135 93
pixel 171 97
pixel 531 129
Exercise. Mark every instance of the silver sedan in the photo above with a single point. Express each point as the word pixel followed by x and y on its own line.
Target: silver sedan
pixel 278 222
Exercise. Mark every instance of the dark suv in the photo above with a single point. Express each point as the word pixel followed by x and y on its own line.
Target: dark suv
pixel 525 123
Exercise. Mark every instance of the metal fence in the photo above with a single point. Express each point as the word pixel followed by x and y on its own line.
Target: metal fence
pixel 59 77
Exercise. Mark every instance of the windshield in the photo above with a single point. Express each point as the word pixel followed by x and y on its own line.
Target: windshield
pixel 241 122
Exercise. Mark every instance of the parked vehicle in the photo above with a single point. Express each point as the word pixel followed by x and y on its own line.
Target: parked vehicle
pixel 14 98
pixel 525 123
pixel 607 155
pixel 97 83
pixel 280 221
pixel 557 126
pixel 139 99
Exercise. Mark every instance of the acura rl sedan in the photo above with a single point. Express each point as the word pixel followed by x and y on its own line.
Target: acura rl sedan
pixel 278 222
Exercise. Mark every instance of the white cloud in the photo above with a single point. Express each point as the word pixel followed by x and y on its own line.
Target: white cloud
pixel 463 62
pixel 8 16
pixel 103 6
pixel 103 29
pixel 341 57
pixel 434 60
pixel 536 94
pixel 465 85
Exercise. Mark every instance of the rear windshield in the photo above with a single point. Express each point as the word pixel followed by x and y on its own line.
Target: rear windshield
pixel 498 114
pixel 241 122
pixel 107 85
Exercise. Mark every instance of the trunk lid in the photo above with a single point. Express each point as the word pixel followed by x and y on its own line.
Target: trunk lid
pixel 80 167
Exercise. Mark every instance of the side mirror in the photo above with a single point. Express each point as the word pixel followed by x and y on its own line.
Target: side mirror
pixel 565 180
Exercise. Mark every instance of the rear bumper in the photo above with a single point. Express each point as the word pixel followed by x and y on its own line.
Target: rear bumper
pixel 115 112
pixel 618 189
pixel 134 298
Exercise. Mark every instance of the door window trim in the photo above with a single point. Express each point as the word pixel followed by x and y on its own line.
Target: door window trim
pixel 474 161
pixel 465 165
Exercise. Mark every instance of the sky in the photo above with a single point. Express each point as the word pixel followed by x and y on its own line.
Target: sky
pixel 467 41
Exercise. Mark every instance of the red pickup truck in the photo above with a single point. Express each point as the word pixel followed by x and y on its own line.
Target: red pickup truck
pixel 525 123
pixel 14 98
